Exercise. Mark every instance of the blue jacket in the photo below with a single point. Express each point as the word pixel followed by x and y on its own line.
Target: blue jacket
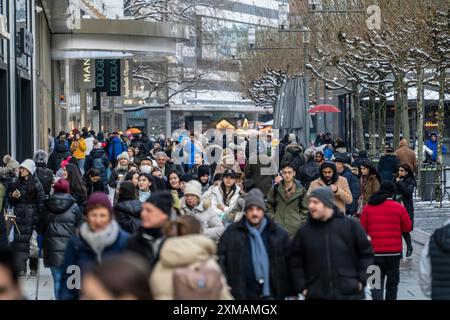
pixel 387 166
pixel 79 253
pixel 355 189
pixel 434 146
pixel 116 147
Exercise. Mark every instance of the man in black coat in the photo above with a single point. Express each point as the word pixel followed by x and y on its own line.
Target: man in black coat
pixel 344 170
pixel 44 174
pixel 331 253
pixel 254 254
pixel 60 153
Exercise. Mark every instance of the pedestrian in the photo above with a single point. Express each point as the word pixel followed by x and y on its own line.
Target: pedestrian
pixel 186 250
pixel 362 157
pixel 146 165
pixel 319 157
pixel 78 149
pixel 261 171
pixel 369 180
pixel 119 172
pixel 93 182
pixel 133 177
pixel 44 174
pixel 432 143
pixel 204 177
pixel 51 141
pixel 310 170
pixel 116 147
pixel 77 189
pixel 185 178
pixel 434 264
pixel 174 182
pixel 225 195
pixel 331 253
pixel 345 170
pixel 9 276
pixel 97 159
pixel 156 212
pixel 27 198
pixel 329 177
pixel 122 277
pixel 254 254
pixel 7 178
pixel 165 166
pixel 384 221
pixel 342 152
pixel 406 183
pixel 57 223
pixel 60 153
pixel 293 154
pixel 145 186
pixel 286 202
pixel 191 204
pixel 388 165
pixel 406 156
pixel 128 208
pixel 98 238
pixel 227 162
pixel 132 155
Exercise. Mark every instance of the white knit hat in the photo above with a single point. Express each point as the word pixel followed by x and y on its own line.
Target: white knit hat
pixel 124 155
pixel 193 187
pixel 29 165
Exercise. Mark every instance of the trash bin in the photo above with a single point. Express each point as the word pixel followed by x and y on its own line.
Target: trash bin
pixel 427 186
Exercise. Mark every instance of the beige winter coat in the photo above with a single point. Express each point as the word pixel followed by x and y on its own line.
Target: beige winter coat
pixel 182 252
pixel 343 195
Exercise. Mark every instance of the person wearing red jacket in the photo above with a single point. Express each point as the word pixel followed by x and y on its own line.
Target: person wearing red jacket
pixel 385 220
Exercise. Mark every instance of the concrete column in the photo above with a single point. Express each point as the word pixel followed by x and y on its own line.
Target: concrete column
pixel 83 107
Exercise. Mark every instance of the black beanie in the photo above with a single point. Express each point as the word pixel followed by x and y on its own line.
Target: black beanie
pixel 203 170
pixel 162 200
pixel 325 195
pixel 388 187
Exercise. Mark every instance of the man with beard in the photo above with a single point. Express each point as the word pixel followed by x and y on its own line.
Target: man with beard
pixel 329 177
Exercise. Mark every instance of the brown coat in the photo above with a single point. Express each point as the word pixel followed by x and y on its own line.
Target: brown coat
pixel 406 156
pixel 372 186
pixel 343 194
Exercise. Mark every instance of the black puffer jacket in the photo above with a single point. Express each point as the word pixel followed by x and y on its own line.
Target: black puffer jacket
pixel 59 220
pixel 45 176
pixel 128 215
pixel 405 194
pixel 235 258
pixel 330 258
pixel 26 209
pixel 59 154
pixel 113 178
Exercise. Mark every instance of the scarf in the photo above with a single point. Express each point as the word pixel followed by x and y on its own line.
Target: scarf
pixel 143 195
pixel 98 241
pixel 260 257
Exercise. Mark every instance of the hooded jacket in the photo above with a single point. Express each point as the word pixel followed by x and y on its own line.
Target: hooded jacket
pixel 405 193
pixel 116 147
pixel 78 148
pixel 128 215
pixel 345 255
pixel 387 166
pixel 183 252
pixel 98 154
pixel 294 153
pixel 433 145
pixel 343 196
pixel 406 156
pixel 58 222
pixel 59 154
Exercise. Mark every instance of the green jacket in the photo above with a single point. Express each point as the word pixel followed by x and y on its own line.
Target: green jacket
pixel 290 214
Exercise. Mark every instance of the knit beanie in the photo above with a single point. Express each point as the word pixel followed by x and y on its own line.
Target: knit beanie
pixel 162 200
pixel 325 195
pixel 193 188
pixel 10 162
pixel 61 186
pixel 99 198
pixel 123 155
pixel 255 197
pixel 29 165
pixel 203 171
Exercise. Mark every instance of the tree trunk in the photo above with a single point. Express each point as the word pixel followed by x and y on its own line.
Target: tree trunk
pixel 420 116
pixel 382 119
pixel 405 114
pixel 372 124
pixel 359 131
pixel 441 127
pixel 397 114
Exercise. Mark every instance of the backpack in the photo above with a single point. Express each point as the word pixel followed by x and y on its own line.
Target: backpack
pixel 198 283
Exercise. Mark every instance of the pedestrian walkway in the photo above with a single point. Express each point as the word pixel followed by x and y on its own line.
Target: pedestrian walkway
pixel 45 290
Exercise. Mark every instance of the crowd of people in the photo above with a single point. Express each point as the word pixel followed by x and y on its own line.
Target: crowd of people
pixel 144 218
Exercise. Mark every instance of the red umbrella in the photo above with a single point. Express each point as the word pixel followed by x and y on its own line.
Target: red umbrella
pixel 324 108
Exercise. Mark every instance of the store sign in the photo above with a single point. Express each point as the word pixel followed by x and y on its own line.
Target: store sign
pixel 4 27
pixel 114 78
pixel 108 77
pixel 25 42
pixel 87 74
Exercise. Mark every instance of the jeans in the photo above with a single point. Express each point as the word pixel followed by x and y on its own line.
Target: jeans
pixel 390 271
pixel 81 164
pixel 57 273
